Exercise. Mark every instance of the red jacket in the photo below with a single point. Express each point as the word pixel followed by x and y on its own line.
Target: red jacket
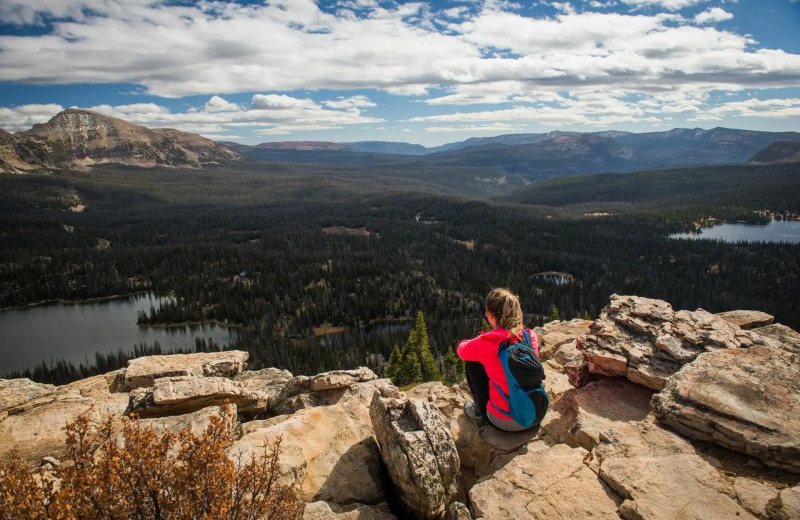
pixel 484 350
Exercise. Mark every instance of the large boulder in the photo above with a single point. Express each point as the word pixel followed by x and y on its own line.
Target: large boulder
pixel 328 452
pixel 747 400
pixel 185 394
pixel 661 476
pixel 646 341
pixel 35 427
pixel 544 482
pixel 419 452
pixel 143 371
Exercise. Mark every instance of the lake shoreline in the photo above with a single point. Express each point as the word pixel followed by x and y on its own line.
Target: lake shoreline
pixel 42 303
pixel 218 323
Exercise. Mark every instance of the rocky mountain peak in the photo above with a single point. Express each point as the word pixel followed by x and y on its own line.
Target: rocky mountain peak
pixel 78 138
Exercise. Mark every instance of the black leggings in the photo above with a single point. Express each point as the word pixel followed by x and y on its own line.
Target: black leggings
pixel 478 382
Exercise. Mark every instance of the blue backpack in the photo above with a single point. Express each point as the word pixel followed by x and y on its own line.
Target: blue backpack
pixel 527 399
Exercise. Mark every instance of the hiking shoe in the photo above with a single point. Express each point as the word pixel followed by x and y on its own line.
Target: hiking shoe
pixel 472 412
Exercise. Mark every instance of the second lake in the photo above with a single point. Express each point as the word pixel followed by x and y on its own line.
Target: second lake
pixel 74 332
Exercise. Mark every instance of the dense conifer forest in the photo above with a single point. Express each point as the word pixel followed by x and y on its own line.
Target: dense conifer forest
pixel 281 254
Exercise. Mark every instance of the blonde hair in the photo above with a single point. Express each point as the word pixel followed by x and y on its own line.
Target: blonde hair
pixel 504 306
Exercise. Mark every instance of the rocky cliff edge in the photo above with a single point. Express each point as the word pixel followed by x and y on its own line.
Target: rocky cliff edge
pixel 655 414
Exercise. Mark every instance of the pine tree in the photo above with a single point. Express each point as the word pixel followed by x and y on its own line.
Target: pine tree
pixel 586 315
pixel 394 363
pixel 554 313
pixel 420 345
pixel 410 372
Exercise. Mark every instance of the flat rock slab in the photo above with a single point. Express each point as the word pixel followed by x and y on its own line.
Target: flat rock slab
pixel 661 476
pixel 747 319
pixel 418 451
pixel 747 400
pixel 142 372
pixel 647 341
pixel 544 482
pixel 329 452
pixel 186 394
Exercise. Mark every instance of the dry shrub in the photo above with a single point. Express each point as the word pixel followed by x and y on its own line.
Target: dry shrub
pixel 136 474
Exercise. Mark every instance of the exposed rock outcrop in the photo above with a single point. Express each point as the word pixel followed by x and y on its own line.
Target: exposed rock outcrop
pixel 646 341
pixel 419 452
pixel 744 399
pixel 354 446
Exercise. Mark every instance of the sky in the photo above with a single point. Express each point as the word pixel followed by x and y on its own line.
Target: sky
pixel 429 73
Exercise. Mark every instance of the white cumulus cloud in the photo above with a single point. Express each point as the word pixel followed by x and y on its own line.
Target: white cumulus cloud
pixel 713 15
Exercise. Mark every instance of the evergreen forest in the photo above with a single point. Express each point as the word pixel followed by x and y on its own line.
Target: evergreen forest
pixel 282 252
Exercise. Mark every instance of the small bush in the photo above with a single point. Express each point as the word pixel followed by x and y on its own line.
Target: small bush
pixel 133 473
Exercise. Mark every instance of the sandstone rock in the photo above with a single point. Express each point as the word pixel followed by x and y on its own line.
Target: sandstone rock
pixel 38 430
pixel 787 506
pixel 747 400
pixel 329 511
pixel 660 476
pixel 646 341
pixel 754 496
pixel 295 403
pixel 196 422
pixel 16 392
pixel 788 338
pixel 557 333
pixel 568 353
pixel 142 372
pixel 185 394
pixel 747 319
pixel 328 451
pixel 544 482
pixel 419 452
pixel 610 403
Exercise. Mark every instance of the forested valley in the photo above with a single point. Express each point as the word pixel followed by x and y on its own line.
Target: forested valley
pixel 365 258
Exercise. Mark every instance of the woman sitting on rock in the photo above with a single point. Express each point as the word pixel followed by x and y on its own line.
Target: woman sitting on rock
pixel 485 374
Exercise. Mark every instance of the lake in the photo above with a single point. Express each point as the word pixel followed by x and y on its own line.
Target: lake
pixel 775 231
pixel 76 331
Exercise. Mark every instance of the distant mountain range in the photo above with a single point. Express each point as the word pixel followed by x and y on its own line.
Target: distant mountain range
pixel 80 139
pixel 536 157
